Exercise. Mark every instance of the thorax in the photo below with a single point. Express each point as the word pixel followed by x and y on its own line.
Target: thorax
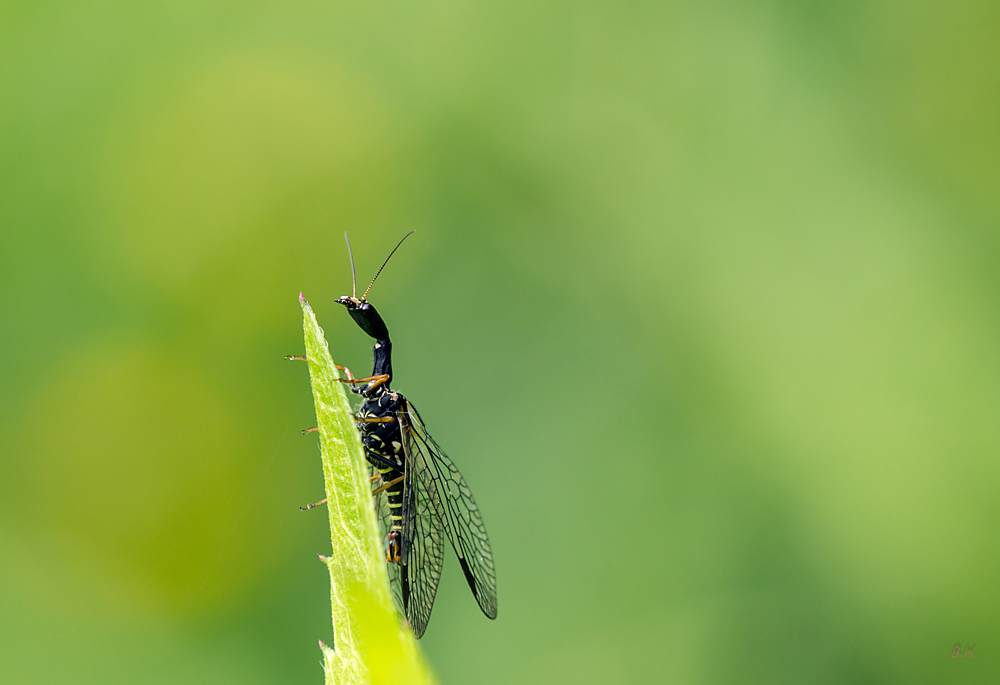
pixel 383 438
pixel 381 404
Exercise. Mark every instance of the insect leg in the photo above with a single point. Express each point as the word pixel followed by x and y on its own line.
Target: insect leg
pixel 313 506
pixel 387 485
pixel 375 381
pixel 296 358
pixel 378 461
pixel 383 419
pixel 306 431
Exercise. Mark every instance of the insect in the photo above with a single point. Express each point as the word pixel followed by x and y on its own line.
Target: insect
pixel 423 498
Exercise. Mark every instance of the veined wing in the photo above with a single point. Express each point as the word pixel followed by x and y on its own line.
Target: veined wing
pixel 434 472
pixel 422 545
pixel 385 525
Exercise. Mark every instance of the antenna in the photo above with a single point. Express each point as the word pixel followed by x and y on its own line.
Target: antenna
pixel 385 262
pixel 354 278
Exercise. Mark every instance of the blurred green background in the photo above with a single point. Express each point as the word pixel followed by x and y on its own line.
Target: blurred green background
pixel 703 300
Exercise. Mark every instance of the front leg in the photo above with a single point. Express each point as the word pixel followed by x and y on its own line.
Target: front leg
pixel 350 378
pixel 373 381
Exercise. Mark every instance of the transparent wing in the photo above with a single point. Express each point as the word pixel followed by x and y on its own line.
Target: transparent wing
pixel 423 543
pixel 385 524
pixel 435 473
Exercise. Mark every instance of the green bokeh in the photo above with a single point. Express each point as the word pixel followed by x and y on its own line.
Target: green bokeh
pixel 703 301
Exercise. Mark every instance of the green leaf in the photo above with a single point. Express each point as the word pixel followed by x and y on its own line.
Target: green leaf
pixel 370 644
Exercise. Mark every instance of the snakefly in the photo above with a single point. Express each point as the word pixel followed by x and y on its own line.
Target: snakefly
pixel 422 497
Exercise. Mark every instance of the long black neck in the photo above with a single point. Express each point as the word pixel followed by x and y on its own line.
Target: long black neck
pixel 383 359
